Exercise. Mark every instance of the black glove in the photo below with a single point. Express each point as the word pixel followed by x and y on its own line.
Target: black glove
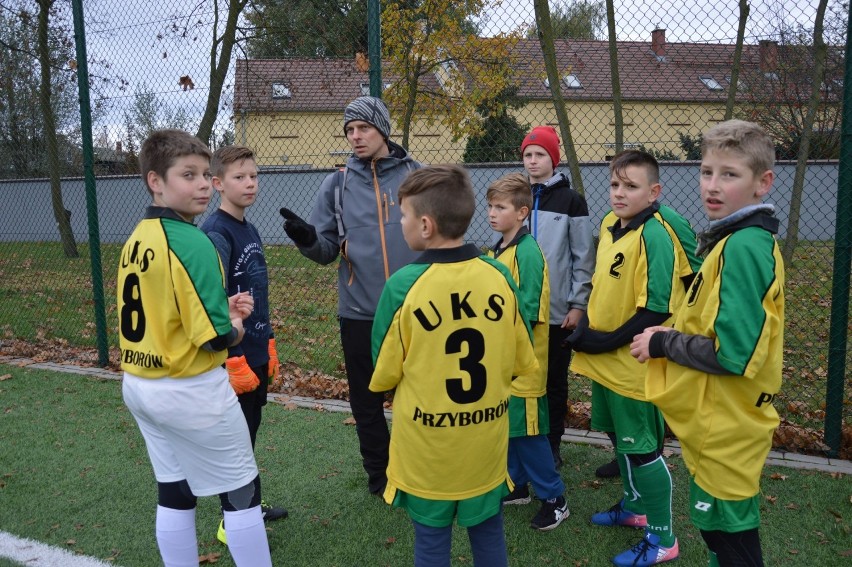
pixel 574 341
pixel 300 232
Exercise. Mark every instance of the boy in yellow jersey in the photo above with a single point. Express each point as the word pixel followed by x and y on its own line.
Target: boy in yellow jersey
pixel 636 284
pixel 175 326
pixel 449 336
pixel 509 203
pixel 683 238
pixel 715 374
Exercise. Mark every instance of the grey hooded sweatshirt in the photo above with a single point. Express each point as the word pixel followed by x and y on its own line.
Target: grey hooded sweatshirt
pixel 371 247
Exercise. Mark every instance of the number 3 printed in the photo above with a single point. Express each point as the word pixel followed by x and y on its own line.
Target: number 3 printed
pixel 470 364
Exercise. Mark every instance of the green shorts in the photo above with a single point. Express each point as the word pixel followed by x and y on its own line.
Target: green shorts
pixel 638 425
pixel 713 514
pixel 440 513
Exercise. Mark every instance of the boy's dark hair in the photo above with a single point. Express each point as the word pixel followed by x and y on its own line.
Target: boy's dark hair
pixel 515 187
pixel 162 147
pixel 443 192
pixel 746 138
pixel 638 158
pixel 225 156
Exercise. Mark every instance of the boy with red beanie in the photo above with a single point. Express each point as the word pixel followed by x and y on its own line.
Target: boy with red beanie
pixel 560 223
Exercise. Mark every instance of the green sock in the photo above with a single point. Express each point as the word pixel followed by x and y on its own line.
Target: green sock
pixel 632 501
pixel 654 484
pixel 714 561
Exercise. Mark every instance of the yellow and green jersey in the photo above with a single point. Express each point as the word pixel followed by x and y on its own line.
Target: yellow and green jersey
pixel 683 237
pixel 725 422
pixel 636 268
pixel 449 336
pixel 171 299
pixel 526 263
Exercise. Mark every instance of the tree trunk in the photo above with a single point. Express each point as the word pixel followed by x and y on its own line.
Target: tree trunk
pixel 545 31
pixel 62 216
pixel 792 237
pixel 617 107
pixel 738 54
pixel 408 113
pixel 218 69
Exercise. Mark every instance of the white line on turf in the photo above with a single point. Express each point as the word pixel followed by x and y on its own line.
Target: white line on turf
pixel 36 554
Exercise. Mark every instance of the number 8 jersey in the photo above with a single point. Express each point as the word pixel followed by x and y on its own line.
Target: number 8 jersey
pixel 171 298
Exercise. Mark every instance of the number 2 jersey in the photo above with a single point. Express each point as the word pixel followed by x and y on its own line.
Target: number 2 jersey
pixel 171 298
pixel 448 335
pixel 637 267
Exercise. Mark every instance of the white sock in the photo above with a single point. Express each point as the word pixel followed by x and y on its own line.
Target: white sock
pixel 176 537
pixel 247 538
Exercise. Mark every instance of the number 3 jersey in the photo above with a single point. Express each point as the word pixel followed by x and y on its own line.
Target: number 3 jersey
pixel 171 298
pixel 449 337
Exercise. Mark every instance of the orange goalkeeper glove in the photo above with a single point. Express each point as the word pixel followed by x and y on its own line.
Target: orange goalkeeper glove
pixel 243 380
pixel 274 365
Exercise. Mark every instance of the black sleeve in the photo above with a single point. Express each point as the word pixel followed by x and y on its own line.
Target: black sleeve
pixel 221 342
pixel 588 340
pixel 692 351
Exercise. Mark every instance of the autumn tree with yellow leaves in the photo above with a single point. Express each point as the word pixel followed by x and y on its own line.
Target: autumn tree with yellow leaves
pixel 439 37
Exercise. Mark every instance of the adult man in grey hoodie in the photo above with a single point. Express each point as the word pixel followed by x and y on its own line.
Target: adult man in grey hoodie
pixel 356 218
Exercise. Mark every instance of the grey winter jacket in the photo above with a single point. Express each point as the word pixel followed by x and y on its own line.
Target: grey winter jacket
pixel 560 223
pixel 372 247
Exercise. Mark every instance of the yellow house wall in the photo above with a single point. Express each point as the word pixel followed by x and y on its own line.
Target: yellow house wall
pixel 315 139
pixel 654 125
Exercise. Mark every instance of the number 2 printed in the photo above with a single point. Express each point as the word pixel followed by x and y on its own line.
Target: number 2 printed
pixel 617 263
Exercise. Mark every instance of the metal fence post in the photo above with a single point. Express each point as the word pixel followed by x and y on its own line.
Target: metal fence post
pixel 89 175
pixel 374 46
pixel 838 330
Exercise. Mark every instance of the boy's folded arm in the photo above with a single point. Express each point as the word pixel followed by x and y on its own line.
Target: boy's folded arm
pixel 693 351
pixel 595 342
pixel 222 342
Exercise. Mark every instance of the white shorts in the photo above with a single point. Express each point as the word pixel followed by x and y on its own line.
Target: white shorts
pixel 194 429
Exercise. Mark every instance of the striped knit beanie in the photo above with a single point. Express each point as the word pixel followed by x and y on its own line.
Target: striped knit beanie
pixel 372 111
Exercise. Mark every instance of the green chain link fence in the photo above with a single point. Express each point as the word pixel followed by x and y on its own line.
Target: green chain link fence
pixel 465 81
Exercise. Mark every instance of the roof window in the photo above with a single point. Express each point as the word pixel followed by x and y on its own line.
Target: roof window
pixel 711 83
pixel 280 90
pixel 572 81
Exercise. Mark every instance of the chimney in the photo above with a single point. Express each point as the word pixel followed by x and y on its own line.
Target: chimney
pixel 768 56
pixel 362 62
pixel 658 42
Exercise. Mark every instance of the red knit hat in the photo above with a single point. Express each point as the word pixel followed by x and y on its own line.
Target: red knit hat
pixel 546 137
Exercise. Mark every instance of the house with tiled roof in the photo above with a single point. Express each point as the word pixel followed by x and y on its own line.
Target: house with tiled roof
pixel 290 110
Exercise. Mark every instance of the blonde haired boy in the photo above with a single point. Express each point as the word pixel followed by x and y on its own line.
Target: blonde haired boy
pixel 530 462
pixel 715 374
